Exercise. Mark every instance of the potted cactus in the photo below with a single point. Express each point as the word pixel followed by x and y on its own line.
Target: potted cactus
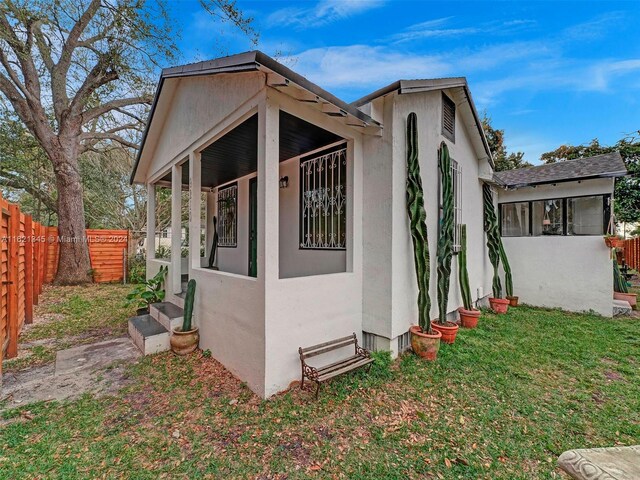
pixel 498 304
pixel 468 315
pixel 621 288
pixel 448 329
pixel 508 278
pixel 184 340
pixel 424 340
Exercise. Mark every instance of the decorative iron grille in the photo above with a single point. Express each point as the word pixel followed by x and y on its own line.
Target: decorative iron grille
pixel 323 220
pixel 227 216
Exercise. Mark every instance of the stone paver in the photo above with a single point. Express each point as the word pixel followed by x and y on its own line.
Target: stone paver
pixel 613 463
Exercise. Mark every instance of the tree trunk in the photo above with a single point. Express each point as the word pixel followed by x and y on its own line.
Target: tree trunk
pixel 73 264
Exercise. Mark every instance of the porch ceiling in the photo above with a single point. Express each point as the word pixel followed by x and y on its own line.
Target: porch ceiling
pixel 235 155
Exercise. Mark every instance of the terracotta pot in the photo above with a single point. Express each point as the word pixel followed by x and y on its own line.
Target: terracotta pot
pixel 449 331
pixel 499 305
pixel 632 298
pixel 183 343
pixel 614 242
pixel 425 345
pixel 469 318
pixel 513 301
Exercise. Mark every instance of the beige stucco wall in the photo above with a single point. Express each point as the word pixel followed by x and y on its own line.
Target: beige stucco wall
pixel 568 272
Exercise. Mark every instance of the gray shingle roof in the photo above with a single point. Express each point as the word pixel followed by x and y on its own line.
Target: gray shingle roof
pixel 600 166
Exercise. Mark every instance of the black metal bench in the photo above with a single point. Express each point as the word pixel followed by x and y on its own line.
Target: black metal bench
pixel 360 358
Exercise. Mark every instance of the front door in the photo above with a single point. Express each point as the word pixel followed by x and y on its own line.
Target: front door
pixel 253 227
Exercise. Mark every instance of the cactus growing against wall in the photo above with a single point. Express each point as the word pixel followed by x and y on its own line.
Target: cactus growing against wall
pixel 418 224
pixel 493 238
pixel 508 278
pixel 188 305
pixel 619 282
pixel 463 273
pixel 445 242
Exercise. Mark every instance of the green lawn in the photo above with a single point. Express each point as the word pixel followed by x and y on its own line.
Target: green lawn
pixel 503 402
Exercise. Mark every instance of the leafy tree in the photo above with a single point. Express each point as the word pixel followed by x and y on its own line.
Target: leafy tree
pixel 627 189
pixel 501 159
pixel 77 73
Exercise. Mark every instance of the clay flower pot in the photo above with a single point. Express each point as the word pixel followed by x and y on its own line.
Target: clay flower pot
pixel 183 343
pixel 614 242
pixel 469 318
pixel 425 345
pixel 513 301
pixel 449 331
pixel 499 305
pixel 632 298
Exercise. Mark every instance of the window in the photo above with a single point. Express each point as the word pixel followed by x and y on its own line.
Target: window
pixel 448 118
pixel 456 181
pixel 227 219
pixel 547 217
pixel 323 201
pixel 515 219
pixel 585 215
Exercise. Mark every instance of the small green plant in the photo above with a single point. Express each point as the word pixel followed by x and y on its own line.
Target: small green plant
pixel 619 282
pixel 207 353
pixel 188 305
pixel 150 291
pixel 463 273
pixel 137 269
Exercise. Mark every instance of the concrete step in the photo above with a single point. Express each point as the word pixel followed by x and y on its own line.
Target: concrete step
pixel 168 314
pixel 621 308
pixel 148 335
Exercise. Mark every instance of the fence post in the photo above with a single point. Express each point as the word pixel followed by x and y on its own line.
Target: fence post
pixel 43 258
pixel 28 269
pixel 12 327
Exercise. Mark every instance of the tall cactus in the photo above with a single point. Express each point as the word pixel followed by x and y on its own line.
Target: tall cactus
pixel 508 278
pixel 463 273
pixel 188 305
pixel 493 238
pixel 418 223
pixel 445 242
pixel 619 282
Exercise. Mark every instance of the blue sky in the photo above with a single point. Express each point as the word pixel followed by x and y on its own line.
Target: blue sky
pixel 546 72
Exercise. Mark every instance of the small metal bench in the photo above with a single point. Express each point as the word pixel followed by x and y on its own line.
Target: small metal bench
pixel 360 358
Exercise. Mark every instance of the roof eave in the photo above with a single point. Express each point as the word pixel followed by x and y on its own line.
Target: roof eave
pixel 562 180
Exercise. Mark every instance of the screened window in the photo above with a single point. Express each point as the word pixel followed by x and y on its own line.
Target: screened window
pixel 227 216
pixel 585 215
pixel 323 201
pixel 515 219
pixel 547 217
pixel 448 118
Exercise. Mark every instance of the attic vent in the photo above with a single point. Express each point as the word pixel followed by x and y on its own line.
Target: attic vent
pixel 448 118
pixel 403 343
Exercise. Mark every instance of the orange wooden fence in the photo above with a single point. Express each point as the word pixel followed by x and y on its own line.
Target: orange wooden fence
pixel 632 253
pixel 29 258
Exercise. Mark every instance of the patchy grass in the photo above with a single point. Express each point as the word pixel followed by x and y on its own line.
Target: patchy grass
pixel 70 316
pixel 501 403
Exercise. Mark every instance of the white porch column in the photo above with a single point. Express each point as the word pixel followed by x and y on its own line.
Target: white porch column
pixel 176 227
pixel 151 221
pixel 195 188
pixel 268 190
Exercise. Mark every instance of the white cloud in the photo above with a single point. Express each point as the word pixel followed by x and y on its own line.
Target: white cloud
pixel 325 11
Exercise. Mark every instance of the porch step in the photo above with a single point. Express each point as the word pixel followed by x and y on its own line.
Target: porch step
pixel 168 314
pixel 148 335
pixel 621 308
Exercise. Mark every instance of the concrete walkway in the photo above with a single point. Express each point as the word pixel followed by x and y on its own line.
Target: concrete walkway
pixel 76 371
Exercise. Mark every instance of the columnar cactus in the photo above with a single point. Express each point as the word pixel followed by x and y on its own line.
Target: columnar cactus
pixel 188 305
pixel 463 273
pixel 508 278
pixel 418 224
pixel 493 238
pixel 619 282
pixel 445 242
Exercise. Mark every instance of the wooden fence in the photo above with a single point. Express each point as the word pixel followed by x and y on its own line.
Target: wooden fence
pixel 632 253
pixel 29 258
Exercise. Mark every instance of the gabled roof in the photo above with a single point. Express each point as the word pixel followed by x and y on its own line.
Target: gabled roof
pixel 607 165
pixel 427 85
pixel 248 62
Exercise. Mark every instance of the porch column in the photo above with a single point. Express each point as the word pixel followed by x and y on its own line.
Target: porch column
pixel 195 189
pixel 176 228
pixel 268 190
pixel 151 221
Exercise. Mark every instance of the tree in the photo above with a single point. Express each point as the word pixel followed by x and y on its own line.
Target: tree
pixel 501 159
pixel 627 189
pixel 77 75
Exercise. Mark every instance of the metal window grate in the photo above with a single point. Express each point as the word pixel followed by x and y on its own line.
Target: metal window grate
pixel 227 218
pixel 323 201
pixel 368 341
pixel 404 343
pixel 456 175
pixel 448 118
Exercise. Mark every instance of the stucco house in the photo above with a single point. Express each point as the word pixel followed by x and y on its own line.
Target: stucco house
pixel 309 196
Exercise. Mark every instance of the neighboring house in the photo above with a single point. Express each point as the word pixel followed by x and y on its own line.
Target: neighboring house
pixel 309 197
pixel 553 218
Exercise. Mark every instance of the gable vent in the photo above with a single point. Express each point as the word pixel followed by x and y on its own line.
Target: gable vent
pixel 448 118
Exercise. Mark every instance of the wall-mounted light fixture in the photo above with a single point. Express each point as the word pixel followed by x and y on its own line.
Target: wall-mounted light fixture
pixel 284 182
